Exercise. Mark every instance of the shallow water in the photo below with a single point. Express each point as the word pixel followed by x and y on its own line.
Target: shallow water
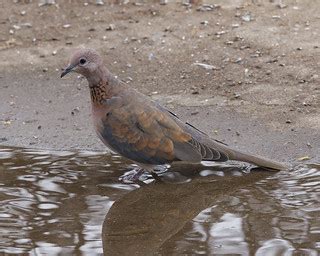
pixel 57 203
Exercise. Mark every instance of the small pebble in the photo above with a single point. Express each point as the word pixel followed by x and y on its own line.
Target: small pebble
pixel 163 2
pixel 99 2
pixel 151 56
pixel 46 2
pixel 205 66
pixel 110 27
pixel 247 17
pixel 207 7
pixel 282 6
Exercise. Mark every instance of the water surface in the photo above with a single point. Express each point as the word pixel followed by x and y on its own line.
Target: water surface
pixel 71 203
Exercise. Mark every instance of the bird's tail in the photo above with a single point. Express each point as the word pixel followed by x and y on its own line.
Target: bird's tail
pixel 256 160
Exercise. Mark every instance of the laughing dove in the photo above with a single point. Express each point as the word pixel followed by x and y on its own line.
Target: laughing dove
pixel 143 131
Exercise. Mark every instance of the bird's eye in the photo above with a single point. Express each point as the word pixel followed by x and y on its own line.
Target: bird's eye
pixel 82 61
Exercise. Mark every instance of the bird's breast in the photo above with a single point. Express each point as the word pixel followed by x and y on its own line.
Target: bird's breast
pixel 100 126
pixel 98 115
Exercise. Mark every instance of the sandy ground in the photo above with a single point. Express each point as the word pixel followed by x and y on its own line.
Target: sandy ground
pixel 261 94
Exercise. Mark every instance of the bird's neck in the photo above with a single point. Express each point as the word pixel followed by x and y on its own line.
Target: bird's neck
pixel 101 86
pixel 99 93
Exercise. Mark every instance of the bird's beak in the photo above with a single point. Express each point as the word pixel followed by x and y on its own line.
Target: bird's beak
pixel 67 70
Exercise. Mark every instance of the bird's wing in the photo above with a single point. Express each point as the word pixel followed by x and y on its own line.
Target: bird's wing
pixel 226 153
pixel 203 142
pixel 146 134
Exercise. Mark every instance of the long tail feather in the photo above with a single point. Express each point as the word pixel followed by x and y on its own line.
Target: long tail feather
pixel 258 161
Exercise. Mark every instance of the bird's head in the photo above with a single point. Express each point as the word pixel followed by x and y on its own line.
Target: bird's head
pixel 84 62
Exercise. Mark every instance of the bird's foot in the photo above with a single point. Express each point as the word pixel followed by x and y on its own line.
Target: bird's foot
pixel 139 175
pixel 246 168
pixel 159 169
pixel 136 175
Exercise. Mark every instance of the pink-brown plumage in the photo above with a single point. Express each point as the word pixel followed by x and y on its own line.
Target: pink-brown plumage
pixel 139 129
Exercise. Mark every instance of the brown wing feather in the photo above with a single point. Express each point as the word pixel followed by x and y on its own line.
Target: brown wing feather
pixel 147 134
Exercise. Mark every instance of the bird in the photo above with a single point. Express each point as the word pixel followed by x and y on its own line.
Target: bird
pixel 143 131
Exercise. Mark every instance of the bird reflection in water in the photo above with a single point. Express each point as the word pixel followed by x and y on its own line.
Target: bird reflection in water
pixel 142 221
pixel 55 203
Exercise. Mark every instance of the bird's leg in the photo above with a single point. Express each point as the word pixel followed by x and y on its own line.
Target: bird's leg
pixel 155 175
pixel 136 174
pixel 152 170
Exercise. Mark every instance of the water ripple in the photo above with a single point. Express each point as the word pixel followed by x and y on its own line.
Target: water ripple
pixel 54 202
pixel 49 199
